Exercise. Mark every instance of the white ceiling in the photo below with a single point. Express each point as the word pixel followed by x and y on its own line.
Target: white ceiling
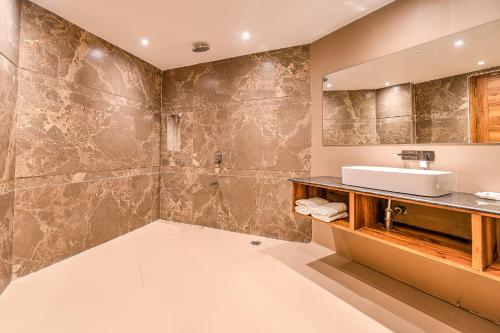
pixel 437 59
pixel 173 25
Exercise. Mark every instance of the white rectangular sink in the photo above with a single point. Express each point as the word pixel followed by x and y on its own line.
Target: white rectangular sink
pixel 429 183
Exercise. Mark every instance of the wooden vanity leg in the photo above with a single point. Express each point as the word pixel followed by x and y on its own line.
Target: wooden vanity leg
pixel 364 211
pixel 483 242
pixel 352 210
pixel 299 192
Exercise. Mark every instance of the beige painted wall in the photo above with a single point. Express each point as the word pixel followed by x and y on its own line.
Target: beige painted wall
pixel 400 25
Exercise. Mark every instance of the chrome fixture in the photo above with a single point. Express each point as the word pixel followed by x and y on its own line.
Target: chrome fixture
pixel 417 155
pixel 423 156
pixel 217 158
pixel 199 47
pixel 177 116
pixel 390 212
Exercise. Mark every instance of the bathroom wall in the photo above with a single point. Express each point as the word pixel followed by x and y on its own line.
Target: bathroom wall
pixel 88 131
pixel 255 110
pixel 9 49
pixel 403 24
pixel 398 26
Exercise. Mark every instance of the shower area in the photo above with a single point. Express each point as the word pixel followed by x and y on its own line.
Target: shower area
pixel 96 143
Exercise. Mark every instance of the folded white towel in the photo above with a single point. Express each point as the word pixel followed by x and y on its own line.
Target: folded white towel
pixel 489 195
pixel 324 218
pixel 313 202
pixel 330 209
pixel 304 210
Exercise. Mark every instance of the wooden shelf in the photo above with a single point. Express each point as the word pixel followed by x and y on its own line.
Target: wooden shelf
pixel 426 243
pixel 494 269
pixel 478 253
pixel 344 223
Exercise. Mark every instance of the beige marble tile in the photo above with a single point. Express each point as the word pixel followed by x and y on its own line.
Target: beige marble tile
pixel 258 134
pixel 279 73
pixel 8 97
pixel 349 105
pixel 58 221
pixel 6 226
pixel 441 107
pixel 358 133
pixel 253 109
pixel 396 130
pixel 249 204
pixel 395 101
pixel 65 128
pixel 9 29
pixel 52 46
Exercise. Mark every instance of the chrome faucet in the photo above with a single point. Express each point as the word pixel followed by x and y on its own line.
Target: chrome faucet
pixel 423 156
pixel 217 158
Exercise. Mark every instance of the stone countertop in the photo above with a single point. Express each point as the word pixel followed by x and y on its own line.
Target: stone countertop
pixel 460 200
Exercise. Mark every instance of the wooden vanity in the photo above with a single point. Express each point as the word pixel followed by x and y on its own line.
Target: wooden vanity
pixel 458 231
pixel 478 253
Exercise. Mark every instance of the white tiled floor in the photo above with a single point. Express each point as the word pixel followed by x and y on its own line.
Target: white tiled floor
pixel 169 277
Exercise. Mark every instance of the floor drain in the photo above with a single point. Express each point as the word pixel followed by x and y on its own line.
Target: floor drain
pixel 256 243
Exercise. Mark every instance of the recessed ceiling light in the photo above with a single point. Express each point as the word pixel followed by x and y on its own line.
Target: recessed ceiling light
pixel 245 35
pixel 481 62
pixel 387 84
pixel 459 42
pixel 144 42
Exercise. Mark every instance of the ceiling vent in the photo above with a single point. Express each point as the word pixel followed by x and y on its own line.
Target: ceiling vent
pixel 201 47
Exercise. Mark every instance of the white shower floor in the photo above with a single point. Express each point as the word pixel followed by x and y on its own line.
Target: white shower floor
pixel 169 277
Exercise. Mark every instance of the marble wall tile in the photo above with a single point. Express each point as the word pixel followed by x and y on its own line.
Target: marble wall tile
pixel 279 73
pixel 9 51
pixel 176 195
pixel 368 116
pixel 6 227
pixel 349 106
pixel 178 85
pixel 249 204
pixel 396 130
pixel 441 107
pixel 255 110
pixel 87 141
pixel 10 11
pixel 269 134
pixel 64 128
pixel 395 101
pixel 52 46
pixel 8 97
pixel 437 129
pixel 358 133
pixel 58 221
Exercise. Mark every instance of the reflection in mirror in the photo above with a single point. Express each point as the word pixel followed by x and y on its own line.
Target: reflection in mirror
pixel 444 91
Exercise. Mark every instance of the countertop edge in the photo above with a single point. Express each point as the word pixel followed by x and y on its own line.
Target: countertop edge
pixel 420 199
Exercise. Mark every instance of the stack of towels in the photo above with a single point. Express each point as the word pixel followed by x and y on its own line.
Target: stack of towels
pixel 321 209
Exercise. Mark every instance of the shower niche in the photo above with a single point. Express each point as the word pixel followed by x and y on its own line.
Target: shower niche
pixel 174 131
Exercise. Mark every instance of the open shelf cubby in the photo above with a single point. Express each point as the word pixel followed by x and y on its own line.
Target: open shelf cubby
pixel 429 244
pixel 301 191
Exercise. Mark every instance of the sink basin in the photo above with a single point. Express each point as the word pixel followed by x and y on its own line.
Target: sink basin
pixel 429 183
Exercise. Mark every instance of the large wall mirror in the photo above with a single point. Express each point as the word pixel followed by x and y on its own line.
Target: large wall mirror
pixel 443 92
